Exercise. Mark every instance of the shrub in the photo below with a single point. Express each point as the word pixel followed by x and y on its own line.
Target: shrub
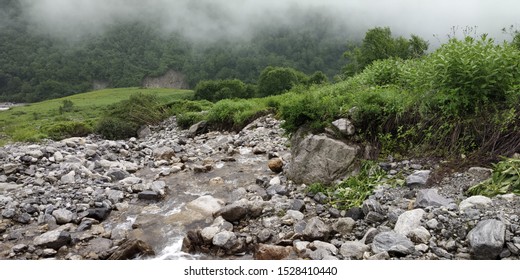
pixel 234 114
pixel 215 90
pixel 185 120
pixel 277 80
pixel 66 107
pixel 504 179
pixel 68 129
pixel 123 119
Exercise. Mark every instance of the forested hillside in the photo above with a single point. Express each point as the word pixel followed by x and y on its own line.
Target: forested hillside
pixel 36 66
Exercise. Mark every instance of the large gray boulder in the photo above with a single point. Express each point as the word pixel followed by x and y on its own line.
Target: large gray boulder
pixel 487 239
pixel 392 242
pixel 320 159
pixel 53 239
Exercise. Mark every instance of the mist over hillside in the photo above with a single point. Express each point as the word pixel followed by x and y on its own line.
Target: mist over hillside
pixel 54 48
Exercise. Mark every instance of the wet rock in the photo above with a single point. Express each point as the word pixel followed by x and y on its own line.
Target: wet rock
pixel 225 239
pixel 353 250
pixel 62 216
pixel 206 205
pixel 132 249
pixel 487 239
pixel 53 239
pixel 275 165
pixel 316 229
pixel 409 221
pixel 392 242
pixel 271 252
pixel 149 195
pixel 99 214
pixel 234 212
pixel 100 246
pixel 208 233
pixel 418 178
pixel 317 158
pixel 430 197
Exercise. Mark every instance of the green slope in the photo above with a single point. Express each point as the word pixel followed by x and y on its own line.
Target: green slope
pixel 32 121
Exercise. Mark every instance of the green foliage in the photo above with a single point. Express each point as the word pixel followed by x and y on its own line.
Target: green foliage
pixel 464 75
pixel 234 114
pixel 67 106
pixel 123 119
pixel 277 80
pixel 185 120
pixel 353 190
pixel 504 179
pixel 68 129
pixel 379 44
pixel 222 89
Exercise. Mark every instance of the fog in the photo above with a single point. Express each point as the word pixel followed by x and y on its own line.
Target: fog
pixel 205 19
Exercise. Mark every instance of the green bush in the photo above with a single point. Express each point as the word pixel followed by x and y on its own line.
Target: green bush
pixel 277 80
pixel 234 114
pixel 68 129
pixel 215 90
pixel 185 120
pixel 504 179
pixel 463 75
pixel 123 119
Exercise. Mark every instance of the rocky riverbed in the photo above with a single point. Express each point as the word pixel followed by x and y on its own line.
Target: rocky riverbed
pixel 175 193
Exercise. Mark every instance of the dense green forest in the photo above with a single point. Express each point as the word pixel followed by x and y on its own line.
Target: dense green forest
pixel 35 66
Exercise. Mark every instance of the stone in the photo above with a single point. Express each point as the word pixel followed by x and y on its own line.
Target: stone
pixel 419 235
pixel 316 229
pixel 418 178
pixel 164 153
pixel 117 174
pixel 344 126
pixel 196 129
pixel 392 242
pixel 480 173
pixel 476 201
pixel 99 246
pixel 225 239
pixel 320 159
pixel 344 226
pixel 68 178
pixel 317 245
pixel 430 197
pixel 234 212
pixel 149 195
pixel 206 205
pixel 353 250
pixel 115 196
pixel 275 165
pixel 432 223
pixel 132 249
pixel 409 221
pixel 53 239
pixel 143 132
pixel 10 168
pixel 355 213
pixel 62 216
pixel 487 239
pixel 271 252
pixel 371 205
pixel 99 213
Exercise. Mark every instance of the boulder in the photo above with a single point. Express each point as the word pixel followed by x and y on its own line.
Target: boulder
pixel 132 249
pixel 430 197
pixel 62 216
pixel 164 153
pixel 320 159
pixel 53 239
pixel 353 250
pixel 275 165
pixel 418 178
pixel 476 201
pixel 344 126
pixel 225 239
pixel 487 239
pixel 409 221
pixel 392 242
pixel 234 212
pixel 198 128
pixel 316 229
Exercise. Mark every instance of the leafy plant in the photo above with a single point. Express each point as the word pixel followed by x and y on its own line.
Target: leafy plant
pixel 353 190
pixel 504 179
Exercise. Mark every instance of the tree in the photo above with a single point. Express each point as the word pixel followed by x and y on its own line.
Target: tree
pixel 277 80
pixel 379 44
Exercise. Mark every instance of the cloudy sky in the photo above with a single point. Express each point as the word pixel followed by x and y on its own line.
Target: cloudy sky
pixel 198 18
